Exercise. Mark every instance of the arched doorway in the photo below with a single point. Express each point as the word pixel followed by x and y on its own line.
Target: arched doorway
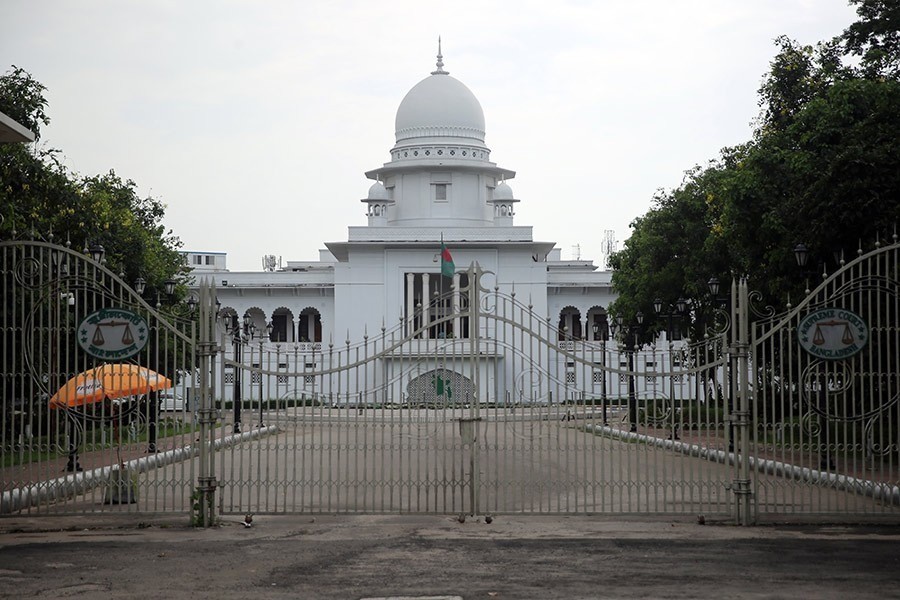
pixel 309 328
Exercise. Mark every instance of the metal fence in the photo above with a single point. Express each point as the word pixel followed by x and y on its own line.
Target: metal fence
pixel 484 409
pixel 84 362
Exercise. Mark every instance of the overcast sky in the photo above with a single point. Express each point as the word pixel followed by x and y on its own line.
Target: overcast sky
pixel 255 121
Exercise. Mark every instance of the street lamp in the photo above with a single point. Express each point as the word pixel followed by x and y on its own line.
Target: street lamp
pixel 97 253
pixel 826 461
pixel 240 333
pixel 601 335
pixel 801 255
pixel 629 335
pixel 720 303
pixel 269 328
pixel 674 311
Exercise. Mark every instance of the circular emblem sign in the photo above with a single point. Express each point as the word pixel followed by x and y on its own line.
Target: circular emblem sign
pixel 833 333
pixel 112 333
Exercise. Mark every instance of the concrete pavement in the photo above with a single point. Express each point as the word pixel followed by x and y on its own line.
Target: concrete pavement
pixel 356 557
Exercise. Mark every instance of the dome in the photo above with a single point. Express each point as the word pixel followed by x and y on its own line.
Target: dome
pixel 440 106
pixel 503 192
pixel 378 192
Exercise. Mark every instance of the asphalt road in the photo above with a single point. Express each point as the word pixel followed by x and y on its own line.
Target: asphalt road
pixel 411 556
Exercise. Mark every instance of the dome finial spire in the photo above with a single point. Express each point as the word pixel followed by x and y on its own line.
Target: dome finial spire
pixel 440 61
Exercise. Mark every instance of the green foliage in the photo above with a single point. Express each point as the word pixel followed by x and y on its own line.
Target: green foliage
pixel 823 168
pixel 875 38
pixel 672 252
pixel 22 98
pixel 41 199
pixel 39 195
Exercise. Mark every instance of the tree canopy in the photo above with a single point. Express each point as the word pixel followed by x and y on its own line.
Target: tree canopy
pixel 40 197
pixel 822 169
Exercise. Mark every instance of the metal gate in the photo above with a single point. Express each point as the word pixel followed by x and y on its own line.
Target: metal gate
pixel 488 409
pixel 97 389
pixel 485 408
pixel 820 403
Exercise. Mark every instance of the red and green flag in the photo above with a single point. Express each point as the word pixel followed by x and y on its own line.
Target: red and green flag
pixel 447 266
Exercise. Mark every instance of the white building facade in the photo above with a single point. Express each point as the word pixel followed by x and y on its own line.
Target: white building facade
pixel 439 186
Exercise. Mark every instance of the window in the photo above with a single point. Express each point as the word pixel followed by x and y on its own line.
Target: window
pixel 598 376
pixel 210 260
pixel 440 191
pixel 197 259
pixel 570 377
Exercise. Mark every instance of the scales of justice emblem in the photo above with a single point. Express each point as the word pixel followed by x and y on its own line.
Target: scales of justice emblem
pixel 833 333
pixel 99 333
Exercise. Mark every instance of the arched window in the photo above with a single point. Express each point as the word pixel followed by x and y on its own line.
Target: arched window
pixel 310 326
pixel 282 326
pixel 598 324
pixel 569 324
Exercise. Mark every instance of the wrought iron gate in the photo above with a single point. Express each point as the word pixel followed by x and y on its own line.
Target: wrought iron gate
pixel 822 406
pixel 98 389
pixel 490 409
pixel 484 409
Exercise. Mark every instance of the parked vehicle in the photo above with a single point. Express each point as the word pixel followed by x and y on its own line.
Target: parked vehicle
pixel 170 400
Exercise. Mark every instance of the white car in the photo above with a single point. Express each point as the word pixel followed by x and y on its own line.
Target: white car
pixel 172 401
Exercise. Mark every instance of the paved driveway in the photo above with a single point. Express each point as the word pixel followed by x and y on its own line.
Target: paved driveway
pixel 377 557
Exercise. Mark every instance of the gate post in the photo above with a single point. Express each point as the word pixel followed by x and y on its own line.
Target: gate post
pixel 741 383
pixel 469 426
pixel 203 502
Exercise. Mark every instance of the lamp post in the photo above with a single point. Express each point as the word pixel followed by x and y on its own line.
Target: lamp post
pixel 97 252
pixel 269 328
pixel 601 335
pixel 240 333
pixel 826 460
pixel 674 311
pixel 140 286
pixel 722 302
pixel 629 335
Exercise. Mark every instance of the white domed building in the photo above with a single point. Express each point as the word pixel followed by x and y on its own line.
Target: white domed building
pixel 439 185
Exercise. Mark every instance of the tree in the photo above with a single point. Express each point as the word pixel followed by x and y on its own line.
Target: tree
pixel 22 98
pixel 823 168
pixel 671 253
pixel 38 195
pixel 875 38
pixel 41 199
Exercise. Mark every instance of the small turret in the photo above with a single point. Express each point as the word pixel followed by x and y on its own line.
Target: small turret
pixel 503 202
pixel 378 200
